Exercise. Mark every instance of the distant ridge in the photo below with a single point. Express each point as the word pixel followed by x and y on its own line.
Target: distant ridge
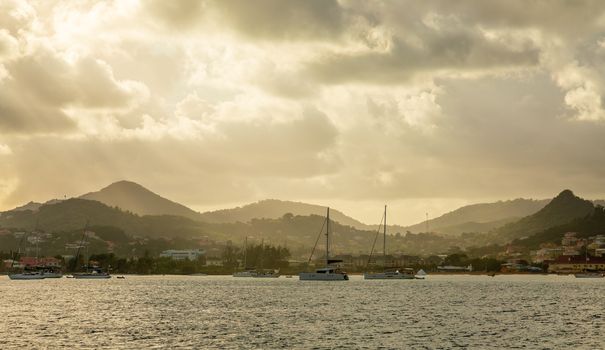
pixel 481 217
pixel 273 209
pixel 563 209
pixel 135 198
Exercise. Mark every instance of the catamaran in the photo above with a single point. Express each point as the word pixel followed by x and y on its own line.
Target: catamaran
pixel 394 274
pixel 92 272
pixel 329 272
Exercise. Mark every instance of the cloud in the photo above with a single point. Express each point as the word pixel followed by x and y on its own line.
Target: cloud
pixel 355 101
pixel 5 150
pixel 41 85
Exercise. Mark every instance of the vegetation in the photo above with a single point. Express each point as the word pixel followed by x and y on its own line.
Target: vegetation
pixel 256 256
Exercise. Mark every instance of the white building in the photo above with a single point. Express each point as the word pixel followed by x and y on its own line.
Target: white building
pixel 192 254
pixel 213 261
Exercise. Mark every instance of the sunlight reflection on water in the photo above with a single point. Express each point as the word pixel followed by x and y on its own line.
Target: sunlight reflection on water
pixel 225 312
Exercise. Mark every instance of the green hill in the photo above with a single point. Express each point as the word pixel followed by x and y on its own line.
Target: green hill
pixel 274 209
pixel 589 225
pixel 135 198
pixel 563 209
pixel 73 214
pixel 481 217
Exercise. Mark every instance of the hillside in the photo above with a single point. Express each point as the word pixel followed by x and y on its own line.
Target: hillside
pixel 563 209
pixel 72 214
pixel 135 198
pixel 586 226
pixel 273 209
pixel 480 217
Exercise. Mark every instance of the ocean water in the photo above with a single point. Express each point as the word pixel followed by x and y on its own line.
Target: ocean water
pixel 187 312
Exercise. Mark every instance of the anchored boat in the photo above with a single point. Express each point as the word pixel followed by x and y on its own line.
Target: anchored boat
pixel 329 272
pixel 393 274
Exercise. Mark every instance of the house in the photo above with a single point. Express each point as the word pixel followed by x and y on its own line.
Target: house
pixel 192 254
pixel 33 261
pixel 575 263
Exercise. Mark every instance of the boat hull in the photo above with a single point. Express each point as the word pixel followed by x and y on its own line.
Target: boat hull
pixel 387 276
pixel 266 276
pixel 95 276
pixel 313 276
pixel 244 274
pixel 26 276
pixel 589 275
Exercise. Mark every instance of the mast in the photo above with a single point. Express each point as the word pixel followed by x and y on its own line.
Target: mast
pixel 384 239
pixel 328 237
pixel 262 250
pixel 245 252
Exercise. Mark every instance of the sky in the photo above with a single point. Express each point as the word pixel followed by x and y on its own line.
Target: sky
pixel 422 105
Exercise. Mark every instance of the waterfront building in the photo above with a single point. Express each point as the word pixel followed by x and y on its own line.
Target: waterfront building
pixel 192 254
pixel 575 264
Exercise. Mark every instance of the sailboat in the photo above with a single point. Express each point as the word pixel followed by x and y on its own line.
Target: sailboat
pixel 386 274
pixel 329 272
pixel 262 273
pixel 25 274
pixel 247 272
pixel 92 272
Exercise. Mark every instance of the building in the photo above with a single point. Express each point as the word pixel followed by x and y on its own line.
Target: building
pixel 33 261
pixel 569 239
pixel 544 254
pixel 212 261
pixel 192 254
pixel 574 264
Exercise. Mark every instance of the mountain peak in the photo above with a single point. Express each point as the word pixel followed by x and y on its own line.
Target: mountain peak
pixel 566 194
pixel 124 184
pixel 562 209
pixel 134 197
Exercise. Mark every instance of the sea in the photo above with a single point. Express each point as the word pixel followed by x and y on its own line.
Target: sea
pixel 222 312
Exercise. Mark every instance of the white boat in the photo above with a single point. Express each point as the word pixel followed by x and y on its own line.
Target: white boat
pixel 329 272
pixel 389 275
pixel 248 273
pixel 589 275
pixel 33 275
pixel 420 275
pixel 394 274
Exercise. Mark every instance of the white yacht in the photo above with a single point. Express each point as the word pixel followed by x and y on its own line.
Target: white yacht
pixel 395 274
pixel 329 272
